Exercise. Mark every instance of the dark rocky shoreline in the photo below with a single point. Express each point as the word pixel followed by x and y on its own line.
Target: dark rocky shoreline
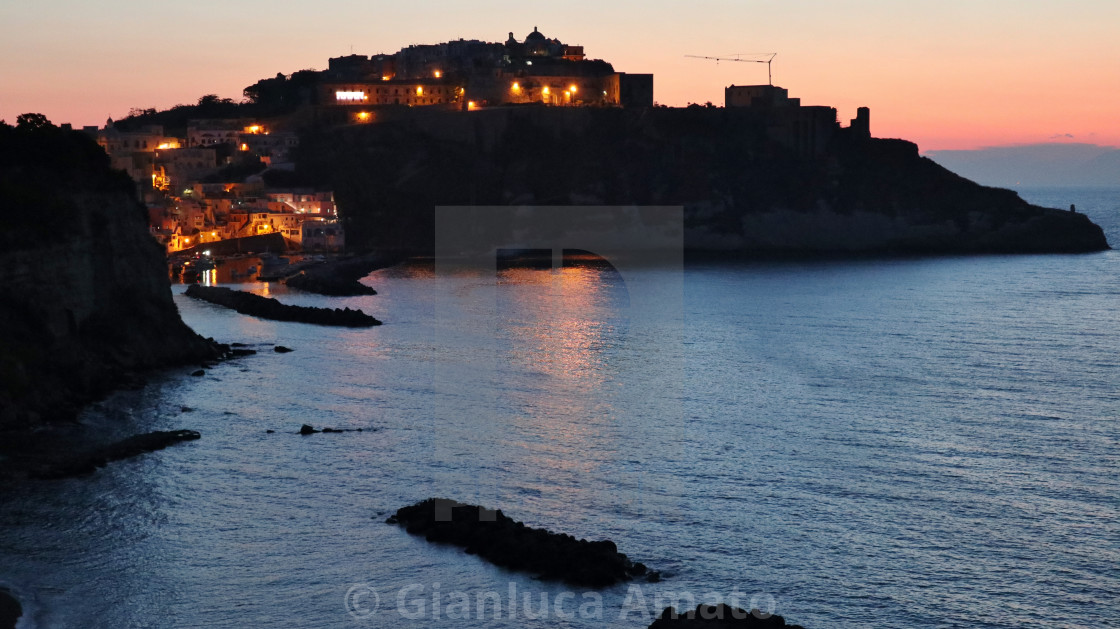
pixel 81 463
pixel 268 308
pixel 505 542
pixel 88 304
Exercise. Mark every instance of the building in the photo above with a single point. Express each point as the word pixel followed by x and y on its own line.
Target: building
pixel 322 235
pixel 467 74
pixel 758 96
pixel 806 130
pixel 145 139
pixel 177 168
pixel 271 147
pixel 212 132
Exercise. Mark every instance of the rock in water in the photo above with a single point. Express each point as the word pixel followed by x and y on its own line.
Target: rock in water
pixel 268 308
pixel 719 617
pixel 10 610
pixel 510 544
pixel 339 278
pixel 81 463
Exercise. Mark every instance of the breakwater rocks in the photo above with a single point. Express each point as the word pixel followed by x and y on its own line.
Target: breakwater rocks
pixel 10 610
pixel 510 544
pixel 718 617
pixel 339 278
pixel 268 308
pixel 82 463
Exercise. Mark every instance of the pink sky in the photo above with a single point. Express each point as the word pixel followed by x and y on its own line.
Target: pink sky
pixel 948 74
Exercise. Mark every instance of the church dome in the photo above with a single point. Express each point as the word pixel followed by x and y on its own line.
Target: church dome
pixel 535 37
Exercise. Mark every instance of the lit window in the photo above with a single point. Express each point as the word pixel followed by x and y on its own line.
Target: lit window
pixel 349 96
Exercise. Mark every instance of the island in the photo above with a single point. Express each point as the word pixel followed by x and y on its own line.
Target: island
pixel 359 155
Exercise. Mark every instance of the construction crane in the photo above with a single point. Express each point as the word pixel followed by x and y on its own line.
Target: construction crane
pixel 769 56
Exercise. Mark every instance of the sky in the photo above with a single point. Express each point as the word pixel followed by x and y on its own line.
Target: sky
pixel 946 74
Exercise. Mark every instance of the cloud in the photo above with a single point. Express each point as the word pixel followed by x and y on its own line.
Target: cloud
pixel 1061 136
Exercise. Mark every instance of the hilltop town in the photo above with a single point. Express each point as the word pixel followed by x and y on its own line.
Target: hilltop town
pixel 218 180
pixel 228 183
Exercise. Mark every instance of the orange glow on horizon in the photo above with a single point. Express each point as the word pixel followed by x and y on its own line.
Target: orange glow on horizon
pixel 945 75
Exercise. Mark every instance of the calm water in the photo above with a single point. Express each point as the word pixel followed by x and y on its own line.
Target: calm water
pixel 889 443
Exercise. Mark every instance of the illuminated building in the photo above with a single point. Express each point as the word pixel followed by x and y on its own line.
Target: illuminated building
pixel 535 70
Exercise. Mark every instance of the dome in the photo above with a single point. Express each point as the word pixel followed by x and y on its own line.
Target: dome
pixel 535 36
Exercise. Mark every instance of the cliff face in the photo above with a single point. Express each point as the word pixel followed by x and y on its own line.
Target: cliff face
pixel 743 191
pixel 87 300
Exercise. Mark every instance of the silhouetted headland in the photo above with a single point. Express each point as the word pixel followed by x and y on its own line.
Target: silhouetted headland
pixel 87 303
pixel 743 192
pixel 536 122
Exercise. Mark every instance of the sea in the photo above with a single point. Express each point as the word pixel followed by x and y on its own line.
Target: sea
pixel 877 442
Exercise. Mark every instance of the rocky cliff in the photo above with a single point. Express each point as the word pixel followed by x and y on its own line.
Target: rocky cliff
pixel 744 190
pixel 86 298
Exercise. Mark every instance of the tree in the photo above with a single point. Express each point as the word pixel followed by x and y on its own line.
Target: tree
pixel 32 122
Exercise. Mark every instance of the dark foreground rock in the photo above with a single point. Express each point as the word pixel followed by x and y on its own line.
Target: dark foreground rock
pixel 87 304
pixel 510 544
pixel 718 617
pixel 81 463
pixel 339 278
pixel 10 610
pixel 268 308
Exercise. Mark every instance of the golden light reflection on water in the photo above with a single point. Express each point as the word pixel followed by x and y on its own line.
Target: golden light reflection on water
pixel 564 325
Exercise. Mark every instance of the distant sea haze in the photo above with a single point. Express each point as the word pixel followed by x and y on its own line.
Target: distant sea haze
pixel 1072 165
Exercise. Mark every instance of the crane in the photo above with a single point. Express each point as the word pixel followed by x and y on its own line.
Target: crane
pixel 769 56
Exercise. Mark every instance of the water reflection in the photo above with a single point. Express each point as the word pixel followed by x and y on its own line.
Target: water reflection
pixel 232 270
pixel 564 323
